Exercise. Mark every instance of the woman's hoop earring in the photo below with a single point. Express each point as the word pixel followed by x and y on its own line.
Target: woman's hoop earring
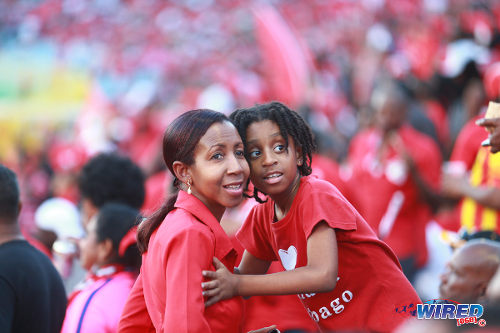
pixel 189 186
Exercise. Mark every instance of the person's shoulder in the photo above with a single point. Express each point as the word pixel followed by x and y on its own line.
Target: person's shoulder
pixel 414 137
pixel 311 185
pixel 121 283
pixel 180 223
pixel 361 137
pixel 19 250
pixel 125 277
pixel 419 144
pixel 262 208
pixel 181 220
pixel 317 192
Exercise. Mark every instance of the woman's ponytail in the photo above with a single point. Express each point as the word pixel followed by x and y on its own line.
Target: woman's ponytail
pixel 149 225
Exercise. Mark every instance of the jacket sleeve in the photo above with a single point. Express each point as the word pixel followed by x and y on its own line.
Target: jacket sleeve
pixel 188 253
pixel 135 317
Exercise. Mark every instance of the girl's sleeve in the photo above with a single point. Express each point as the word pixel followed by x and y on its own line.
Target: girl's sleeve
pixel 190 252
pixel 328 207
pixel 255 236
pixel 135 317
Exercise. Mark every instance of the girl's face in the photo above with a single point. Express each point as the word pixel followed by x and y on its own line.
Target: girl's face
pixel 89 245
pixel 220 171
pixel 274 167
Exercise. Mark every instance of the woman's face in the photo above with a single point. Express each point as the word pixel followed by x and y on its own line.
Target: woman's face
pixel 220 171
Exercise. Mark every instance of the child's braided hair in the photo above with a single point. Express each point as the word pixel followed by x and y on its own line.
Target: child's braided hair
pixel 289 122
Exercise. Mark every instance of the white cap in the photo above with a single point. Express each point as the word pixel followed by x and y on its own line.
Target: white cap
pixel 60 216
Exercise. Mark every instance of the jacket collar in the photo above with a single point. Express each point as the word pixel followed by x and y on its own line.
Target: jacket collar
pixel 193 205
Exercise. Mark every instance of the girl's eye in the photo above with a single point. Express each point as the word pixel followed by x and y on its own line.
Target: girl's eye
pixel 254 154
pixel 217 156
pixel 279 148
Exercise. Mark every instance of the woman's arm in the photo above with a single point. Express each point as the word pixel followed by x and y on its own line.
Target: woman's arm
pixel 319 275
pixel 184 305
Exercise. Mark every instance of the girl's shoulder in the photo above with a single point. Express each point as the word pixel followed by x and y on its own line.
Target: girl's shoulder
pixel 315 193
pixel 262 209
pixel 319 200
pixel 312 185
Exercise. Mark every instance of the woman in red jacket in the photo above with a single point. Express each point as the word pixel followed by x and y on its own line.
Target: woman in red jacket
pixel 204 152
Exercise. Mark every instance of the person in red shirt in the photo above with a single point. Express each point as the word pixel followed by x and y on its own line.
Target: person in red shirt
pixel 346 277
pixel 204 152
pixel 460 163
pixel 396 171
pixel 285 311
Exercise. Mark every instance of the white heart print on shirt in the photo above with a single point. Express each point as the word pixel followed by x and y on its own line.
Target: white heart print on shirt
pixel 288 257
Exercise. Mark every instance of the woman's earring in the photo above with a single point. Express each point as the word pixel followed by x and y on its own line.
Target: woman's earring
pixel 189 186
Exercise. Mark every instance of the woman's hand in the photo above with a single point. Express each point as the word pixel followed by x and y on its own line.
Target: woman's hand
pixel 223 284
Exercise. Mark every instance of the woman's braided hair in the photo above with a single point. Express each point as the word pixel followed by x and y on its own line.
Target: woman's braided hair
pixel 290 124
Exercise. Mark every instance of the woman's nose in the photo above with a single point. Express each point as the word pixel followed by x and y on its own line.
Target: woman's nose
pixel 235 165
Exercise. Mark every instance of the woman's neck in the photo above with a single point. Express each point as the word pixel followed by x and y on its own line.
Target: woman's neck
pixel 283 201
pixel 217 211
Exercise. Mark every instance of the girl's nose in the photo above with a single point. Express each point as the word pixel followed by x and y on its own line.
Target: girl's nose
pixel 268 159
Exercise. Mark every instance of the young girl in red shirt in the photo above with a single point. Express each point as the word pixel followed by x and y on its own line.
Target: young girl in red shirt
pixel 204 152
pixel 344 275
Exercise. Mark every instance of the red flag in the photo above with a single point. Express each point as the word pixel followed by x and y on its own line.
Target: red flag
pixel 286 64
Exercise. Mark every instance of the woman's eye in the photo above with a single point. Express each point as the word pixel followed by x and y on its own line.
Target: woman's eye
pixel 240 153
pixel 217 156
pixel 254 154
pixel 279 148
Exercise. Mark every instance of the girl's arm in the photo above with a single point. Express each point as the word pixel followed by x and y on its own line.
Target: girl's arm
pixel 319 275
pixel 252 265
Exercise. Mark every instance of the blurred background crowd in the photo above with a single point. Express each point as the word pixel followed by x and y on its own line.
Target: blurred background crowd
pixel 82 77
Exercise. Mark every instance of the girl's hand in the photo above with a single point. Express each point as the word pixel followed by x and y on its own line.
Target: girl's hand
pixel 269 329
pixel 224 285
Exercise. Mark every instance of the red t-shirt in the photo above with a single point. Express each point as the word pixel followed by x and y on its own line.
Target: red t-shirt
pixel 370 284
pixel 284 311
pixel 387 194
pixel 462 158
pixel 168 291
pixel 468 143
